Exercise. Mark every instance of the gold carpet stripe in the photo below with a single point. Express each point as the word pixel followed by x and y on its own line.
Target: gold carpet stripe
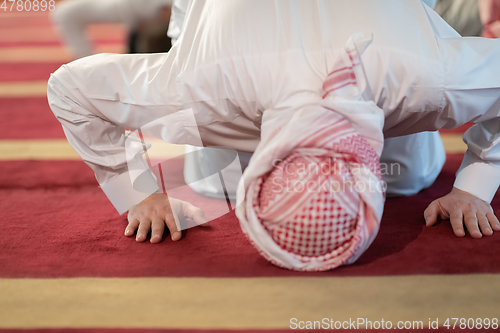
pixel 237 303
pixel 24 89
pixel 453 143
pixel 60 149
pixel 49 53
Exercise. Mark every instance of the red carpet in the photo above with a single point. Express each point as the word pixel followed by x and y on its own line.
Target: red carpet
pixel 54 43
pixel 27 71
pixel 45 175
pixel 57 223
pixel 458 130
pixel 15 21
pixel 28 118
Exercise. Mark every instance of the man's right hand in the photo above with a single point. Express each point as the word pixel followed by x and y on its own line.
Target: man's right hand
pixel 463 209
pixel 154 212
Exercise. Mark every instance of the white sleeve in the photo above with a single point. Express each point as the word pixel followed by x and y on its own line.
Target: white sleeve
pixel 133 180
pixel 121 171
pixel 479 173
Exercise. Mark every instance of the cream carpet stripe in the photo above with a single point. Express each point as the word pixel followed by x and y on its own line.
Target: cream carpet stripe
pixel 49 53
pixel 453 143
pixel 23 89
pixel 216 303
pixel 60 149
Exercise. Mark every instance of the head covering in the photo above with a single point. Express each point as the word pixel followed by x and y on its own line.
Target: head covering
pixel 313 193
pixel 304 206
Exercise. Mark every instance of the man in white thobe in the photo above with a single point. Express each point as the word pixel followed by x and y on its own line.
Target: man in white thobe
pixel 244 67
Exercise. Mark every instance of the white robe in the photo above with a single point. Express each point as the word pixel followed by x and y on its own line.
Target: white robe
pixel 411 162
pixel 243 67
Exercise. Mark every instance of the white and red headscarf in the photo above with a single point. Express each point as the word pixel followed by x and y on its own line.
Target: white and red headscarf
pixel 312 196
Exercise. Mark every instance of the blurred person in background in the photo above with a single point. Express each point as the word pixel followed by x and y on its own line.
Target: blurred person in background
pixel 462 15
pixel 146 21
pixel 490 17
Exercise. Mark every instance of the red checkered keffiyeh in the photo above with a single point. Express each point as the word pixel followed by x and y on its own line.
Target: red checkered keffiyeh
pixel 318 203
